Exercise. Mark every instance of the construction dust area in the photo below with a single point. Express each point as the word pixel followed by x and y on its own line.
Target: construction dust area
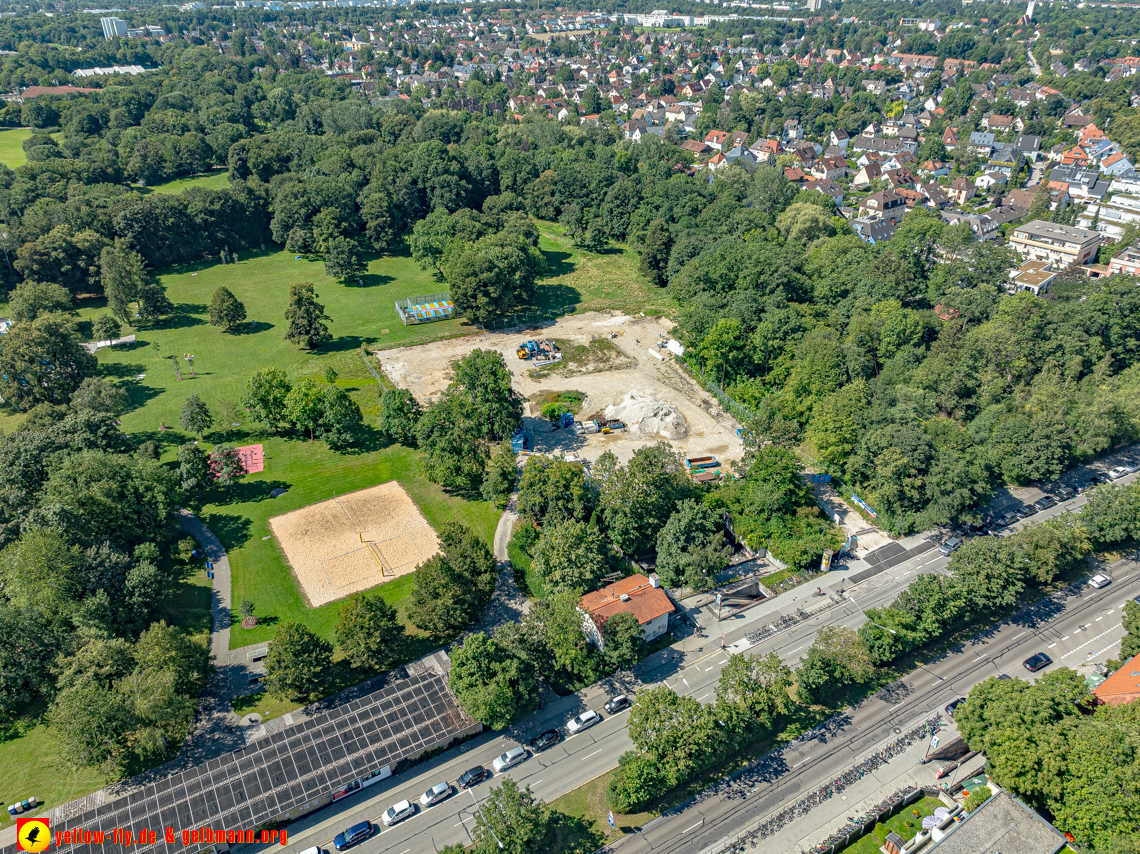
pixel 353 542
pixel 634 392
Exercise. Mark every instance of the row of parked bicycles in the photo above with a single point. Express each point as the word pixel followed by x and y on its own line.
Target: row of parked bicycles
pixel 825 792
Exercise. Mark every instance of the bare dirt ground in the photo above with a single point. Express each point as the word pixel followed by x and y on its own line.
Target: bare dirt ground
pixel 354 541
pixel 605 372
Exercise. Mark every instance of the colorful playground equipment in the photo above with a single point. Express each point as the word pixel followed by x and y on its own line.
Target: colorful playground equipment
pixel 426 308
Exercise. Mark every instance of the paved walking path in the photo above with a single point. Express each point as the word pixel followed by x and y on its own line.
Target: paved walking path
pixel 508 602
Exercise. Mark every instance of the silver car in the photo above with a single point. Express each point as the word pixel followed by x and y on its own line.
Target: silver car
pixel 509 759
pixel 437 793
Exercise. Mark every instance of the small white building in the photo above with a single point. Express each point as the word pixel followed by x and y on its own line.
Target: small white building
pixel 637 595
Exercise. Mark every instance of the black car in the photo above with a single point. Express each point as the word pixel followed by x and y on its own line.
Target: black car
pixel 1023 511
pixel 1008 519
pixel 1037 662
pixel 548 739
pixel 1045 503
pixel 952 707
pixel 616 704
pixel 472 776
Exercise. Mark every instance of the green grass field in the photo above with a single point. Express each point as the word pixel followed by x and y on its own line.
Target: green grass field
pixel 11 150
pixel 905 824
pixel 217 180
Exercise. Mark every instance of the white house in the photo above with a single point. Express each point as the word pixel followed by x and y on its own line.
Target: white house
pixel 637 595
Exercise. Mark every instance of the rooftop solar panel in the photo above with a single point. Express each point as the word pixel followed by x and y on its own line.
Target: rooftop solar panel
pixel 288 770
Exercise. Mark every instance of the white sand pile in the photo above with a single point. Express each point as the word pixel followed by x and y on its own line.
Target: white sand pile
pixel 649 416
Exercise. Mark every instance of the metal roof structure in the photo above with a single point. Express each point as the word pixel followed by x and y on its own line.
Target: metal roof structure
pixel 284 775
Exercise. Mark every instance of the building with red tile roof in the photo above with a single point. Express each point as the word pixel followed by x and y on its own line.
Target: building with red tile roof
pixel 1121 687
pixel 635 595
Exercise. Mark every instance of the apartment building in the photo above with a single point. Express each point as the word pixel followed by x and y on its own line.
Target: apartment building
pixel 1127 262
pixel 1061 245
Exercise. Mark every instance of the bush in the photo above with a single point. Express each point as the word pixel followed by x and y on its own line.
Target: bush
pixel 977 797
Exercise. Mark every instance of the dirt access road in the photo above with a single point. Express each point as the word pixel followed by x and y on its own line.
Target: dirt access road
pixel 606 355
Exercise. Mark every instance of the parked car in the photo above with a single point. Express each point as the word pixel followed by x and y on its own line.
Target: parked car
pixel 1099 581
pixel 1064 493
pixel 437 793
pixel 1045 503
pixel 353 835
pixel 509 759
pixel 952 707
pixel 472 776
pixel 616 704
pixel 1008 519
pixel 398 812
pixel 1120 471
pixel 949 547
pixel 1037 662
pixel 1024 511
pixel 583 721
pixel 548 739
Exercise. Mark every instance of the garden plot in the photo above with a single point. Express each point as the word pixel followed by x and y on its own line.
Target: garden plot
pixel 606 356
pixel 353 542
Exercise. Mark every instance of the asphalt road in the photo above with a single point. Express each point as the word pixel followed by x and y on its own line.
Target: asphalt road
pixel 1080 623
pixel 693 668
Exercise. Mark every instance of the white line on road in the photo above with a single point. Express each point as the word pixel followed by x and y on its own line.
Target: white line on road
pixel 405 851
pixel 701 697
pixel 1015 637
pixel 1098 619
pixel 1111 610
pixel 698 824
pixel 980 657
pixel 896 705
pixel 707 669
pixel 1066 637
pixel 724 662
pixel 461 822
pixel 595 753
pixel 536 782
pixel 797 649
pixel 1051 645
pixel 801 762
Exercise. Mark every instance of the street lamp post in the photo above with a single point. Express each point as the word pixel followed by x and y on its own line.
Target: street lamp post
pixel 480 809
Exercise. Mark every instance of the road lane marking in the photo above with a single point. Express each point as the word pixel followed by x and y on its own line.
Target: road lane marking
pixel 797 649
pixel 1098 619
pixel 801 762
pixel 698 824
pixel 707 669
pixel 461 823
pixel 724 662
pixel 896 705
pixel 405 851
pixel 1015 637
pixel 1112 610
pixel 536 782
pixel 595 753
pixel 701 697
pixel 980 657
pixel 1051 645
pixel 1066 637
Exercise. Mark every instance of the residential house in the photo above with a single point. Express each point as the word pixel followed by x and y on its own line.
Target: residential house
pixel 871 172
pixel 886 204
pixel 1063 245
pixel 1033 276
pixel 1116 164
pixel 981 144
pixel 873 230
pixel 695 147
pixel 829 188
pixel 985 182
pixel 840 139
pixel 766 150
pixel 1127 262
pixel 637 595
pixel 1112 216
pixel 934 168
pixel 1003 124
pixel 901 177
pixel 1123 686
pixel 961 190
pixel 1085 185
pixel 740 156
pixel 829 168
pixel 715 139
pixel 1003 823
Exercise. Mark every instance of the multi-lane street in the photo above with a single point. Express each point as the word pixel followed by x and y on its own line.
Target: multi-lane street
pixel 1068 627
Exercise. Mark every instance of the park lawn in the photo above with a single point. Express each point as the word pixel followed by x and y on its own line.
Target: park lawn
pixel 581 825
pixel 30 764
pixel 218 179
pixel 11 146
pixel 580 281
pixel 904 824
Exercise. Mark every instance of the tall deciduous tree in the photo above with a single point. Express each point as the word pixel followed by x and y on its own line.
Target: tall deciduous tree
pixel 343 259
pixel 624 641
pixel 655 253
pixel 399 414
pixel 755 687
pixel 196 416
pixel 501 476
pixel 124 277
pixel 42 362
pixel 552 491
pixel 226 310
pixel 637 500
pixel 491 684
pixel 31 299
pixel 368 632
pixel 306 317
pixel 691 548
pixel 298 663
pixel 225 464
pixel 265 396
pixel 570 556
pixel 452 587
pixel 64 256
pixel 511 820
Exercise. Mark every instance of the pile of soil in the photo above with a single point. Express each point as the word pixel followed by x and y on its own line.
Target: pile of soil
pixel 649 416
